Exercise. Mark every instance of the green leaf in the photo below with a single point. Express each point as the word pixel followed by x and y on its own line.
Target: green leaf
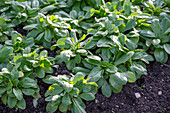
pixel 94 61
pixel 47 8
pixel 64 43
pixel 55 89
pixel 156 41
pixel 28 91
pixel 67 87
pixel 77 59
pixel 106 55
pixel 138 68
pixel 167 48
pixel 48 70
pixel 89 14
pixel 104 42
pixel 52 107
pixel 167 31
pixel 73 14
pixel 127 7
pixel 50 79
pixel 165 24
pixel 147 33
pixel 95 74
pixel 63 108
pixel 160 55
pixel 29 27
pixel 130 24
pixel 33 33
pixel 80 69
pixel 124 58
pixel 48 35
pixel 106 90
pixel 112 69
pixel 39 37
pixel 90 44
pixel 14 73
pixel 77 78
pixel 21 104
pixel 4 98
pixel 66 100
pixel 87 96
pixel 156 27
pixel 130 76
pixel 5 53
pixel 117 80
pixel 28 82
pixel 70 64
pixel 40 73
pixel 76 107
pixel 12 101
pixel 17 92
pixel 2 91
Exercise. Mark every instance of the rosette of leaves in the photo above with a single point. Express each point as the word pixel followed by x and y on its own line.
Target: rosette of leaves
pixel 157 38
pixel 68 93
pixel 13 85
pixel 5 30
pixel 156 7
pixel 16 12
pixel 118 25
pixel 79 19
pixel 34 64
pixel 115 66
pixel 73 51
pixel 18 42
pixel 45 28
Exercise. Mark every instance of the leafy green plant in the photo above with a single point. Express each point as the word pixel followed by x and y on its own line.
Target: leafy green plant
pixel 124 69
pixel 18 42
pixel 13 85
pixel 105 42
pixel 33 63
pixel 45 28
pixel 67 93
pixel 5 30
pixel 73 51
pixel 158 38
pixel 16 12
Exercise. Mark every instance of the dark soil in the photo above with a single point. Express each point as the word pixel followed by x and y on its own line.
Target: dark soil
pixel 157 80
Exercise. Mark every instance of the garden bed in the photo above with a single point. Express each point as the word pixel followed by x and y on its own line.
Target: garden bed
pixel 78 56
pixel 149 86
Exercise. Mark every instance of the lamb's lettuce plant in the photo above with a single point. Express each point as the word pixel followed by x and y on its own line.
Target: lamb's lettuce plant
pixel 46 28
pixel 14 85
pixel 158 41
pixel 34 64
pixel 67 93
pixel 73 51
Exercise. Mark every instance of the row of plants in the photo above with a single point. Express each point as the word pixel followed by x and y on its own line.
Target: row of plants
pixel 105 43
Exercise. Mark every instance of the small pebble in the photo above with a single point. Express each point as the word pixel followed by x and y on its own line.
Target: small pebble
pixel 162 73
pixel 117 106
pixel 159 92
pixel 96 101
pixel 137 95
pixel 113 112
